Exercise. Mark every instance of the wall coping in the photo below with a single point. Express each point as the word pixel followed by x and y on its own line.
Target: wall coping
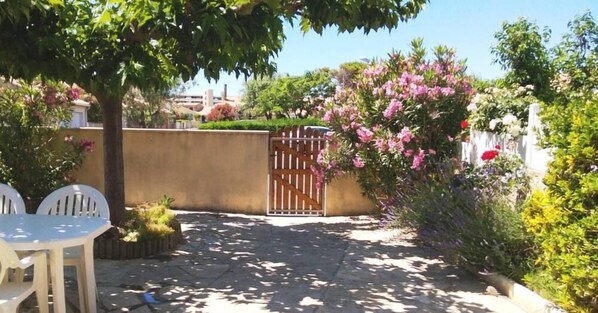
pixel 193 130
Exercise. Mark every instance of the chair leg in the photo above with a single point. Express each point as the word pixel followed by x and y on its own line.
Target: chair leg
pixel 81 283
pixel 42 298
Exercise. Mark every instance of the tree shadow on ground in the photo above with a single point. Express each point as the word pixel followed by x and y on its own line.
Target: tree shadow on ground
pixel 245 263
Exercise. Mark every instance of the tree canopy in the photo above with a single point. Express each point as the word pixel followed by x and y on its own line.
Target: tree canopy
pixel 107 46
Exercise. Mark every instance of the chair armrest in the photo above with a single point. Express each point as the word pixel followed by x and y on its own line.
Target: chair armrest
pixel 37 258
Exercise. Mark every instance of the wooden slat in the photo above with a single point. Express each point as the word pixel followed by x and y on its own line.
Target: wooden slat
pixel 292 185
pixel 298 192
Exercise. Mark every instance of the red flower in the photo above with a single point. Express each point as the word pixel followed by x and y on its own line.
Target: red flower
pixel 489 155
pixel 497 147
pixel 464 124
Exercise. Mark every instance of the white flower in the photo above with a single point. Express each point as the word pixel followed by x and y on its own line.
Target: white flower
pixel 509 119
pixel 493 123
pixel 529 87
pixel 472 107
pixel 521 89
pixel 514 130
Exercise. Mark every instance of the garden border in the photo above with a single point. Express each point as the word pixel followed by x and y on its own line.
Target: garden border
pixel 521 296
pixel 115 249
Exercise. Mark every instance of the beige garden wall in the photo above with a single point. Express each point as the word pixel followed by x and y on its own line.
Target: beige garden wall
pixel 224 171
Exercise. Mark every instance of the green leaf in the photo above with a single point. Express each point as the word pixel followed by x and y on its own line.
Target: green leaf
pixel 104 18
pixel 57 2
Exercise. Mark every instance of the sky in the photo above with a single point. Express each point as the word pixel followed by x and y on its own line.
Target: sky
pixel 468 26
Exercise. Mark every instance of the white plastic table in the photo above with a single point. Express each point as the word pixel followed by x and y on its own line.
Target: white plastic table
pixel 54 233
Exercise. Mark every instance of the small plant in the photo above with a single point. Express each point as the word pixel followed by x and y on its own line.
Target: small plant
pixel 149 220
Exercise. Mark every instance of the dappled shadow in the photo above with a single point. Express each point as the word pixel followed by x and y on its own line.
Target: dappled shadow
pixel 246 263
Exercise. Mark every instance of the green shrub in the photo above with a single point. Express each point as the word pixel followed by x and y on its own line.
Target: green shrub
pixel 564 218
pixel 271 125
pixel 149 220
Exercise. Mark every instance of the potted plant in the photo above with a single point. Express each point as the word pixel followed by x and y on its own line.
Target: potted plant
pixel 148 229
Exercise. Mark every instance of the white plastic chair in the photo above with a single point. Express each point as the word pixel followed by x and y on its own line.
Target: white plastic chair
pixel 77 200
pixel 11 201
pixel 12 293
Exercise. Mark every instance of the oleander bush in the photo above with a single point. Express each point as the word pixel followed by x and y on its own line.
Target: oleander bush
pixel 402 115
pixel 223 112
pixel 33 159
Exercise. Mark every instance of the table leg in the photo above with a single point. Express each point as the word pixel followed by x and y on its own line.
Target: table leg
pixel 57 274
pixel 90 288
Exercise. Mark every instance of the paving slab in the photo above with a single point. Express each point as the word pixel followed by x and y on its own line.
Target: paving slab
pixel 243 263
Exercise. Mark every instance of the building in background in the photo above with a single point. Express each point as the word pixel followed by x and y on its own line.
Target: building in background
pixel 203 104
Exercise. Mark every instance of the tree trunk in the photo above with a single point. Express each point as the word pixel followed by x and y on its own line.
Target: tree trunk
pixel 114 174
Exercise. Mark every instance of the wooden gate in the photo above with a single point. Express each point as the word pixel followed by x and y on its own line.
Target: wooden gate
pixel 293 189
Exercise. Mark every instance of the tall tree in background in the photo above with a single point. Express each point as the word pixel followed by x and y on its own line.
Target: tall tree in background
pixel 107 46
pixel 521 51
pixel 346 73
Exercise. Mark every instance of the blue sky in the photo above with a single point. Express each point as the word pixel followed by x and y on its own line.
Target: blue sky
pixel 468 26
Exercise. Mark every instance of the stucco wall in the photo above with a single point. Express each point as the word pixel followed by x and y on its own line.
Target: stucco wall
pixel 344 196
pixel 223 171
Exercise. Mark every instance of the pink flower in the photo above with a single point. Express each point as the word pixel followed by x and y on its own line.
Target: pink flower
pixel 87 145
pixel 447 91
pixel 328 116
pixel 395 144
pixel 365 135
pixel 450 139
pixel 381 145
pixel 418 160
pixel 73 94
pixel 405 134
pixel 408 153
pixel 394 106
pixel 358 162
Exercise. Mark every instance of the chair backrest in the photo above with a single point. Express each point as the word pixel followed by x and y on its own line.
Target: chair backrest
pixel 11 201
pixel 77 200
pixel 8 259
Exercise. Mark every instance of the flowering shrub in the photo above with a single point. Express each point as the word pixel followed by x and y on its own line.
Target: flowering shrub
pixel 31 159
pixel 467 213
pixel 501 173
pixel 222 112
pixel 401 115
pixel 502 110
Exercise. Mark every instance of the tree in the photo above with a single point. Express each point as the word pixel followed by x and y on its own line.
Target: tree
pixel 520 50
pixel 576 56
pixel 289 96
pixel 346 74
pixel 253 88
pixel 144 107
pixel 107 46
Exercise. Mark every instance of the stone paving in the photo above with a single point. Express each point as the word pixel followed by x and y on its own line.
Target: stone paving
pixel 242 263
